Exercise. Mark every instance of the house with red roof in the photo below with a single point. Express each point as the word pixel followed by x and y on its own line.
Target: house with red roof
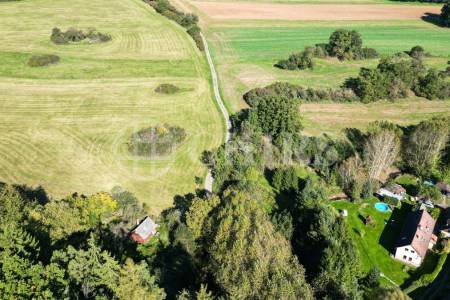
pixel 416 238
pixel 144 231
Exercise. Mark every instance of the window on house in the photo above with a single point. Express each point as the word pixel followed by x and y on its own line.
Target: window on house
pixel 404 257
pixel 410 259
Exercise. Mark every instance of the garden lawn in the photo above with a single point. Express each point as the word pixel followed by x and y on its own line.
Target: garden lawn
pixel 374 242
pixel 66 126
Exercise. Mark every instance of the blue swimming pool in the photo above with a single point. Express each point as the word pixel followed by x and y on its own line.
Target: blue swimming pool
pixel 380 206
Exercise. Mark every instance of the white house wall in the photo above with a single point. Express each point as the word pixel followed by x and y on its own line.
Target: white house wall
pixel 408 255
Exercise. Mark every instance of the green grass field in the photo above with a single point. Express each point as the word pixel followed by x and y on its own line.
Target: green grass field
pixel 246 51
pixel 65 126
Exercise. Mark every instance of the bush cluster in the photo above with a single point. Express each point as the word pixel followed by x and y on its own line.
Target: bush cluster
pixel 188 21
pixel 398 76
pixel 43 60
pixel 343 44
pixel 300 93
pixel 167 88
pixel 297 61
pixel 156 141
pixel 73 35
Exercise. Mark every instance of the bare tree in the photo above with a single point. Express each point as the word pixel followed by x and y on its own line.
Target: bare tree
pixel 381 148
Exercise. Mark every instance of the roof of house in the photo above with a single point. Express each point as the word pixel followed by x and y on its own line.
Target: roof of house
pixel 443 187
pixel 395 188
pixel 146 228
pixel 417 231
pixel 387 193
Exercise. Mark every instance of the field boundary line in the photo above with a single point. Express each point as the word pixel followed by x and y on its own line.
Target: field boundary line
pixel 209 178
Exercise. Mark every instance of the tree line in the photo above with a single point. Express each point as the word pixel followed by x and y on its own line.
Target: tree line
pixel 187 20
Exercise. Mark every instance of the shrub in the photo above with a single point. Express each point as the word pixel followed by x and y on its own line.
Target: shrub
pixel 156 141
pixel 430 192
pixel 432 86
pixel 95 36
pixel 43 60
pixel 320 50
pixel 167 88
pixel 368 53
pixel 298 61
pixel 416 52
pixel 73 35
pixel 391 201
pixel 344 44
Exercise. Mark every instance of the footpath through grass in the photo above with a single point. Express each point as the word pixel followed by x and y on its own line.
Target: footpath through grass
pixel 66 126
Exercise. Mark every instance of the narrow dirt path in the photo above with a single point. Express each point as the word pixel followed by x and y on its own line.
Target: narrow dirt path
pixel 209 178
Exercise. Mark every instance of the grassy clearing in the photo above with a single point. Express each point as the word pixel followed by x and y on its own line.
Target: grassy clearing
pixel 65 126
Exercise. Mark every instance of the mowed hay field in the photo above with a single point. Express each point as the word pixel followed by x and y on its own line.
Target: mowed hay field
pixel 246 50
pixel 65 126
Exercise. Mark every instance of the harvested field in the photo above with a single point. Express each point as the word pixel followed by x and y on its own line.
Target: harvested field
pixel 333 118
pixel 367 12
pixel 66 126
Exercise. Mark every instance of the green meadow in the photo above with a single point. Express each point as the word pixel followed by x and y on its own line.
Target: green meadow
pixel 66 126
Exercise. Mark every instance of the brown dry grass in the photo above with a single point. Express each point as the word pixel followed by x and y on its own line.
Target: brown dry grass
pixel 265 11
pixel 333 118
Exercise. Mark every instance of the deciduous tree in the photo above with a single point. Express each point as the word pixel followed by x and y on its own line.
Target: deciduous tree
pixel 425 144
pixel 381 148
pixel 248 259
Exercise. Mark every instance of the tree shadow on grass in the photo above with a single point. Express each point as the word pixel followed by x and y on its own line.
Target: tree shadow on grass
pixel 393 228
pixel 434 19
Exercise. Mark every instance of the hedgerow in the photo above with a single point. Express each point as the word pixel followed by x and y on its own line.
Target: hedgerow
pixel 300 93
pixel 188 21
